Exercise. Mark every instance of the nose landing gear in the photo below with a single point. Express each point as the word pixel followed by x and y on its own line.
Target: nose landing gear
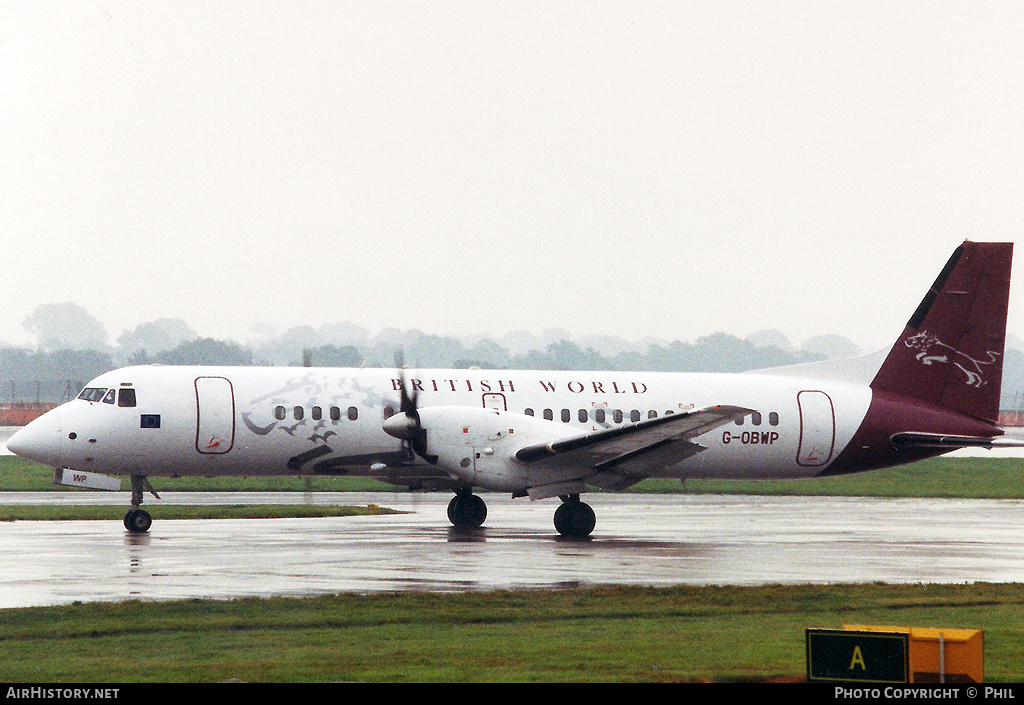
pixel 138 520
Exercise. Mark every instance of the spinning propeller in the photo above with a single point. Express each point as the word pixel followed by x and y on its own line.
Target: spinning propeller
pixel 405 425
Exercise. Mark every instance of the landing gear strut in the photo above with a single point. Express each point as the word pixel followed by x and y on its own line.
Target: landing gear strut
pixel 467 510
pixel 138 520
pixel 573 518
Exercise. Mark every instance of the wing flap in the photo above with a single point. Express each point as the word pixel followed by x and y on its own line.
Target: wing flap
pixel 627 470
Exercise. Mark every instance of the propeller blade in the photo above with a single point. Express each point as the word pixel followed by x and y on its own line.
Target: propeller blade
pixel 406 425
pixel 408 401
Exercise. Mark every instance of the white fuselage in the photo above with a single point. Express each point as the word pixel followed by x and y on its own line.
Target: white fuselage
pixel 553 434
pixel 280 421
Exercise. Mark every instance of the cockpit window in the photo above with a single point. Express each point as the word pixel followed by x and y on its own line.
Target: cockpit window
pixel 122 397
pixel 92 394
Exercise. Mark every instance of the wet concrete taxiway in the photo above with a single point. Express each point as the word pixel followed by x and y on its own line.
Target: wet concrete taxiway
pixel 639 539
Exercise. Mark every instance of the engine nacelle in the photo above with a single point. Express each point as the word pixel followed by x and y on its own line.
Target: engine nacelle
pixel 478 445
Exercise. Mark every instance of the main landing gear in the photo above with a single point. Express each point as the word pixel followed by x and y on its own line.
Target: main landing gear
pixel 467 510
pixel 138 520
pixel 573 518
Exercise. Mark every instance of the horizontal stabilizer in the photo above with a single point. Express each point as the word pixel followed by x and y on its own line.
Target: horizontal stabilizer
pixel 937 440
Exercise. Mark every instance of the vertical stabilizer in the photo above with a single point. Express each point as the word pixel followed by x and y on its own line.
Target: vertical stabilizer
pixel 951 352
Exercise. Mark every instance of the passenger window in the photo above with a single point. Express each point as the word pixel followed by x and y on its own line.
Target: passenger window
pixel 353 413
pixel 335 414
pixel 566 416
pixel 617 416
pixel 773 418
pixel 634 416
pixel 652 414
pixel 528 412
pixel 280 413
pixel 389 411
pixel 756 418
pixel 583 415
pixel 548 415
pixel 318 413
pixel 599 415
pixel 109 398
pixel 126 397
pixel 299 413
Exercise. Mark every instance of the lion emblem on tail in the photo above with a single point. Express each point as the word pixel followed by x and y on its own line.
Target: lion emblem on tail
pixel 931 350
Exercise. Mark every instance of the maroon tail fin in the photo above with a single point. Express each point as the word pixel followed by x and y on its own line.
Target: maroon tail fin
pixel 951 352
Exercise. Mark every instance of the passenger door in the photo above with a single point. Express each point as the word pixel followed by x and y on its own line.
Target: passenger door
pixel 215 415
pixel 817 428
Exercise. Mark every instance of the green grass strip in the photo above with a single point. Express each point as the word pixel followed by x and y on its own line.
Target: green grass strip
pixel 971 477
pixel 601 634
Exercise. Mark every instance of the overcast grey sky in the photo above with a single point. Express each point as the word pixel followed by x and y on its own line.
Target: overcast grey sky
pixel 665 169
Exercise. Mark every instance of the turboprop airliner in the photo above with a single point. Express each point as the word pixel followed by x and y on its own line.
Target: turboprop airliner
pixel 542 434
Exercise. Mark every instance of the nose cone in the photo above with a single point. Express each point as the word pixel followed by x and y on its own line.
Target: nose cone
pixel 41 440
pixel 402 426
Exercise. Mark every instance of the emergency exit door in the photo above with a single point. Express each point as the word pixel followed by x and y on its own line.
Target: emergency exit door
pixel 493 400
pixel 215 415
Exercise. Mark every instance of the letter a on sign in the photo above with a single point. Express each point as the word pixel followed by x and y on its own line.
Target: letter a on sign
pixel 857 656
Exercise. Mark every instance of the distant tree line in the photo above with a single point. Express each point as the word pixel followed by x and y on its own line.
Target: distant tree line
pixel 50 375
pixel 73 348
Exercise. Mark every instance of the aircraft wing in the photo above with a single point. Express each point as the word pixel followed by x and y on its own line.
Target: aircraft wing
pixel 618 457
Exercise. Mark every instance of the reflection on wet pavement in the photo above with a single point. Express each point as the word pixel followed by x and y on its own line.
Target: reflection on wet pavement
pixel 639 539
